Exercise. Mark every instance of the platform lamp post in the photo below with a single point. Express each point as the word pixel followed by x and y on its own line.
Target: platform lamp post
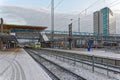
pixel 52 23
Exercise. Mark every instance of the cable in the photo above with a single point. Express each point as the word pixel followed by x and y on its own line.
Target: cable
pixel 54 7
pixel 72 22
pixel 62 26
pixel 115 4
pixel 65 28
pixel 88 7
pixel 94 5
pixel 47 14
pixel 48 6
pixel 58 3
pixel 80 12
pixel 112 2
pixel 85 10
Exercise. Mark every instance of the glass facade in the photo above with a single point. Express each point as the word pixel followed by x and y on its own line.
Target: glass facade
pixel 104 12
pixel 104 22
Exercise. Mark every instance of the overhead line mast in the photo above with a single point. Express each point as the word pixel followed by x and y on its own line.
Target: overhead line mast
pixel 52 23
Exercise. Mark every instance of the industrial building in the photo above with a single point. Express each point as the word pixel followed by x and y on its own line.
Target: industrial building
pixel 104 22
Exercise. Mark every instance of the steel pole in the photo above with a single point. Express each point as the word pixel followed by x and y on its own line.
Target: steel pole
pixel 52 23
pixel 79 24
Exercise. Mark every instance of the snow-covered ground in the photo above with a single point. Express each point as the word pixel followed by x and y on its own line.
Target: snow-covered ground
pixel 18 65
pixel 83 70
pixel 96 53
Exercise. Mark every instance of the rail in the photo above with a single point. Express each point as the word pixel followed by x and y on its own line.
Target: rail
pixel 53 76
pixel 74 74
pixel 92 63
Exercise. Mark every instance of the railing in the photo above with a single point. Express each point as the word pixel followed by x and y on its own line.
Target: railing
pixel 106 66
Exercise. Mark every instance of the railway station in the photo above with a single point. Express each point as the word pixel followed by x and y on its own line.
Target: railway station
pixel 12 57
pixel 42 43
pixel 8 37
pixel 11 34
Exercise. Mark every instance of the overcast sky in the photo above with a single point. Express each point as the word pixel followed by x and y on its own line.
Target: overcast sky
pixel 65 6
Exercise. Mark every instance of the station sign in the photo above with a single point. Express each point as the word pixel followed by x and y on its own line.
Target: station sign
pixel 12 36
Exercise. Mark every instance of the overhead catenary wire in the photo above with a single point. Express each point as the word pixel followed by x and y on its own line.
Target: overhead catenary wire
pixel 74 21
pixel 114 4
pixel 94 4
pixel 48 6
pixel 80 12
pixel 86 9
pixel 98 5
pixel 63 26
pixel 47 16
pixel 58 3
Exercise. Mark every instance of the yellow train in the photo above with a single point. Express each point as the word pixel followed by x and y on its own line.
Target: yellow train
pixel 37 46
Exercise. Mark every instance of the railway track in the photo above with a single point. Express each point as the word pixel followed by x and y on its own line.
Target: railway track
pixel 76 62
pixel 75 59
pixel 56 71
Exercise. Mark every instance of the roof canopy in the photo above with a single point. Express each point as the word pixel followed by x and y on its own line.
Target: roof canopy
pixel 11 26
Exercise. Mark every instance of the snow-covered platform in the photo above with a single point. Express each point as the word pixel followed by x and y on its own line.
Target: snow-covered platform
pixel 101 56
pixel 16 64
pixel 96 53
